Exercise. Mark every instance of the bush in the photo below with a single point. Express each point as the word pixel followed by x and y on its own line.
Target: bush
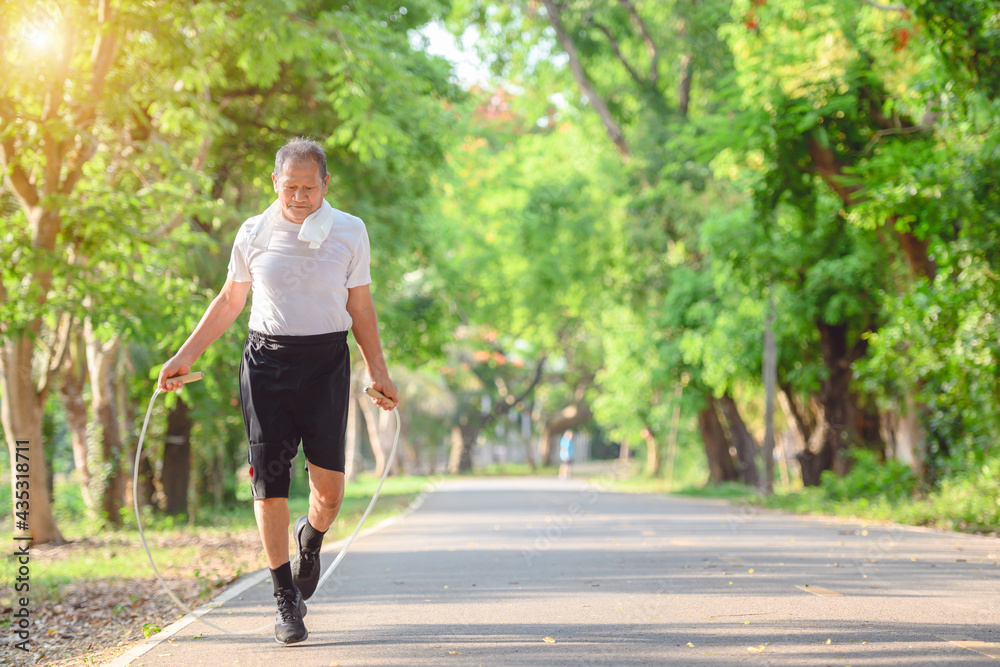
pixel 870 479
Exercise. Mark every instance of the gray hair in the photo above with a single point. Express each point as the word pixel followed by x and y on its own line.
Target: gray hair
pixel 300 149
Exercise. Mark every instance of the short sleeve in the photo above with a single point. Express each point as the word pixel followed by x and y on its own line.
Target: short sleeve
pixel 359 270
pixel 239 271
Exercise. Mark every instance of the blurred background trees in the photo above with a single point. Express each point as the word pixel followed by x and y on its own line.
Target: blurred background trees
pixel 588 236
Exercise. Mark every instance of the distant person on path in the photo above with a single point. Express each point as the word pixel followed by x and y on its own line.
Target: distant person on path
pixel 566 454
pixel 308 266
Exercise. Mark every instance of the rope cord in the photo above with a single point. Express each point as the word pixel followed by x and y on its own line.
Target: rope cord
pixel 326 575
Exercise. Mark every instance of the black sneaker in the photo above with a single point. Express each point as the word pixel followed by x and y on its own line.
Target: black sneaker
pixel 305 565
pixel 288 625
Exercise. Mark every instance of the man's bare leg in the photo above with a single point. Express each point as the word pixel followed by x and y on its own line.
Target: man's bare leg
pixel 326 493
pixel 272 523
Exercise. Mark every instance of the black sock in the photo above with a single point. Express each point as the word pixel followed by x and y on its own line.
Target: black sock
pixel 281 577
pixel 311 538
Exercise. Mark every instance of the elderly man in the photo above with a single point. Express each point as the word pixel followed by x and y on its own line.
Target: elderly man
pixel 308 266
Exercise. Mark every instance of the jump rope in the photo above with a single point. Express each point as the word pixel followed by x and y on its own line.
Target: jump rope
pixel 194 377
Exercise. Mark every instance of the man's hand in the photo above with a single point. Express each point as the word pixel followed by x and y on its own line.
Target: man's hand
pixel 174 367
pixel 384 385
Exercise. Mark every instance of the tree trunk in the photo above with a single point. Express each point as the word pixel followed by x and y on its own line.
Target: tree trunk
pixel 21 411
pixel 73 380
pixel 175 475
pixel 916 250
pixel 653 459
pixel 672 438
pixel 684 85
pixel 352 449
pixel 720 461
pixel 545 447
pixel 838 427
pixel 746 446
pixel 903 436
pixel 102 359
pixel 769 371
pixel 147 486
pixel 387 431
pixel 524 425
pixel 463 440
pixel 370 412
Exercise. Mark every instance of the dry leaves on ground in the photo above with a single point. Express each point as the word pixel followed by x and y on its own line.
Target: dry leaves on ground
pixel 92 622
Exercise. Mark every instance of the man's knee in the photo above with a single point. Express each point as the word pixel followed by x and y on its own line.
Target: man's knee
pixel 327 487
pixel 330 498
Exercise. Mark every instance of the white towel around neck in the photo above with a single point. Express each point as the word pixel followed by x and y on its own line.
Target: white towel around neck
pixel 314 229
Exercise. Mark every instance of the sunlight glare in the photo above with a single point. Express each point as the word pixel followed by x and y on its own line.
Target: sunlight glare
pixel 40 38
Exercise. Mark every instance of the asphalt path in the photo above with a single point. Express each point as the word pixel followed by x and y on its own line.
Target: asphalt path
pixel 547 572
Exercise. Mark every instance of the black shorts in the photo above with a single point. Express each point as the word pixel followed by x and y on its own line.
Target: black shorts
pixel 292 389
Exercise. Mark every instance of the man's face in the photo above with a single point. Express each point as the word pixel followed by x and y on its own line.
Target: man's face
pixel 300 190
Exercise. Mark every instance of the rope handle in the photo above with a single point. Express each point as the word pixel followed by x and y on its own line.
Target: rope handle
pixel 190 377
pixel 375 393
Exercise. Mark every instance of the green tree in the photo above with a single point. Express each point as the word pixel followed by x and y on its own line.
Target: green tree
pixel 121 147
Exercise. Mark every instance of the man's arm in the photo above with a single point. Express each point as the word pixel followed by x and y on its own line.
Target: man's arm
pixel 221 313
pixel 365 329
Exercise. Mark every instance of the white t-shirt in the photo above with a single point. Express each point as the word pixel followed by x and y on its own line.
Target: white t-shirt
pixel 298 291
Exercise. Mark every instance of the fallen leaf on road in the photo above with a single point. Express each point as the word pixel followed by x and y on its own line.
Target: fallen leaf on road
pixel 827 641
pixel 454 653
pixel 550 640
pixel 759 649
pixel 750 571
pixel 690 645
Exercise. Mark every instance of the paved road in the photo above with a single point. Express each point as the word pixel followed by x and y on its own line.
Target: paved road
pixel 484 571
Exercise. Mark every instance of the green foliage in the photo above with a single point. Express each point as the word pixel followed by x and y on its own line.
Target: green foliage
pixel 967 34
pixel 870 478
pixel 968 500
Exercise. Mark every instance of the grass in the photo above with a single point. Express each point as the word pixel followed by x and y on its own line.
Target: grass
pixel 966 501
pixel 512 470
pixel 971 507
